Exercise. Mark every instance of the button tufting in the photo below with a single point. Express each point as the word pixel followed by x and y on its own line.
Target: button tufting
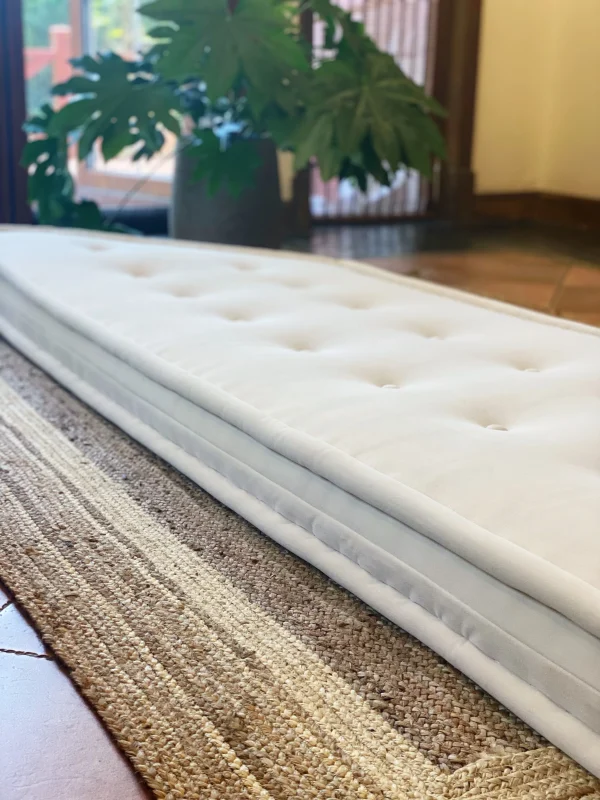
pixel 531 369
pixel 299 348
pixel 182 291
pixel 390 386
pixel 353 303
pixel 138 271
pixel 293 283
pixel 495 427
pixel 98 246
pixel 236 316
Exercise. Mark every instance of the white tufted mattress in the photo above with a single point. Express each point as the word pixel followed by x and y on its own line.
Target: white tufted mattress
pixel 436 453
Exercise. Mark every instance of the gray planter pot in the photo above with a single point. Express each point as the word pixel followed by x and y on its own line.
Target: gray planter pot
pixel 254 218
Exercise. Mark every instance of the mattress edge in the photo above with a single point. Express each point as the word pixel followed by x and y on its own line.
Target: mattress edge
pixel 419 585
pixel 563 729
pixel 511 563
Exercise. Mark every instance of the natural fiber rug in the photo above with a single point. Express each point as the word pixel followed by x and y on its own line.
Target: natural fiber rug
pixel 223 666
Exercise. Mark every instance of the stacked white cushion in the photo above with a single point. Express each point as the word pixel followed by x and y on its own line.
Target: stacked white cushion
pixel 436 453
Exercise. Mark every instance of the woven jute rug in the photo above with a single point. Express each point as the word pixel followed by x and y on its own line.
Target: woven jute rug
pixel 223 666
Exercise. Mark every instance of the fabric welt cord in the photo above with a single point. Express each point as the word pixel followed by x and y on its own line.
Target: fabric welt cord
pixel 223 666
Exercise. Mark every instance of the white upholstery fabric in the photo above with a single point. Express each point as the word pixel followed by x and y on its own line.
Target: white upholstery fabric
pixel 448 446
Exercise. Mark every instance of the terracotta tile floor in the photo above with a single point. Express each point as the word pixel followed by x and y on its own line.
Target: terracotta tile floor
pixel 553 284
pixel 52 745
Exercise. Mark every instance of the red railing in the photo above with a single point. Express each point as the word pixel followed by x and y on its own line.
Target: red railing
pixel 57 55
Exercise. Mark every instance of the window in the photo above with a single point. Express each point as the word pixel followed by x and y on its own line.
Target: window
pixel 55 31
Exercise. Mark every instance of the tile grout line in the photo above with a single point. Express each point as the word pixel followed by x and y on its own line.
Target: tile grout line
pixel 10 652
pixel 558 291
pixel 5 605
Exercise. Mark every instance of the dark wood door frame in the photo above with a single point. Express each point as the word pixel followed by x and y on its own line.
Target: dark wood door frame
pixel 13 178
pixel 454 85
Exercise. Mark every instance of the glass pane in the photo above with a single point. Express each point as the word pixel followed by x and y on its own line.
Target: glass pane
pixel 54 32
pixel 50 39
pixel 48 43
pixel 115 25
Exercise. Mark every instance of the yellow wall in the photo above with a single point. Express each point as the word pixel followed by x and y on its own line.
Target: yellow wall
pixel 571 152
pixel 537 124
pixel 509 95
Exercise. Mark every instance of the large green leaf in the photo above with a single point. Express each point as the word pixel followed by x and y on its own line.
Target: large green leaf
pixel 350 170
pixel 315 136
pixel 253 42
pixel 377 119
pixel 122 103
pixel 38 151
pixel 72 116
pixel 50 185
pixel 365 109
pixel 373 164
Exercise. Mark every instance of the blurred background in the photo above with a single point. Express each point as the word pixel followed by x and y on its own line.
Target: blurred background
pixel 519 79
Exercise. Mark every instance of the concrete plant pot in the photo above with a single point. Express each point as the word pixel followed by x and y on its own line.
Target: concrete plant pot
pixel 253 218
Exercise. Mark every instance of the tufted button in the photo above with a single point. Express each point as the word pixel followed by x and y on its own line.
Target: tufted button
pixel 495 427
pixel 236 316
pixel 390 386
pixel 182 291
pixel 531 369
pixel 354 303
pixel 293 283
pixel 138 271
pixel 95 246
pixel 300 348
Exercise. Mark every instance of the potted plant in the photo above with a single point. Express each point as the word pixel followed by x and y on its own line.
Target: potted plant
pixel 234 80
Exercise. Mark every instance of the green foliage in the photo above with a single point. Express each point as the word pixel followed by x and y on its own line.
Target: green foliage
pixel 120 102
pixel 223 162
pixel 223 47
pixel 110 26
pixel 365 116
pixel 242 66
pixel 366 110
pixel 50 183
